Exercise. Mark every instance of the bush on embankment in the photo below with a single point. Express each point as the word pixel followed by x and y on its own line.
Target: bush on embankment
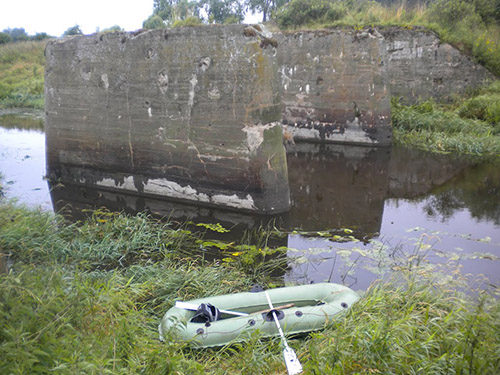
pixel 88 298
pixel 470 125
pixel 22 67
pixel 471 26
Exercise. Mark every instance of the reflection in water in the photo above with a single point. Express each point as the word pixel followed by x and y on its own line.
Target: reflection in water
pixel 386 198
pixel 413 173
pixel 436 202
pixel 76 203
pixel 22 166
pixel 475 189
pixel 29 121
pixel 331 187
pixel 335 186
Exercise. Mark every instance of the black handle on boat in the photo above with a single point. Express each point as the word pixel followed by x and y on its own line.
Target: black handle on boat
pixel 194 307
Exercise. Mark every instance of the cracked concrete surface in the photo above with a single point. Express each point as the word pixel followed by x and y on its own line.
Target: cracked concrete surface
pixel 161 113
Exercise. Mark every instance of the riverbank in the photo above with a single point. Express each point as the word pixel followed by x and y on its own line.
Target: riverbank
pixel 471 27
pixel 470 125
pixel 22 67
pixel 88 297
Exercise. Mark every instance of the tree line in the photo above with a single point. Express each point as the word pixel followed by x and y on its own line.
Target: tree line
pixel 293 13
pixel 287 13
pixel 178 12
pixel 20 35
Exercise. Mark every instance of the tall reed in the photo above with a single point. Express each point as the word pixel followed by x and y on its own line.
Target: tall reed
pixel 87 298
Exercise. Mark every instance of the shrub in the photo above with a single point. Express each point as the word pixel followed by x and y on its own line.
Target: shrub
pixel 189 21
pixel 112 29
pixel 5 38
pixel 303 12
pixel 471 126
pixel 153 22
pixel 73 30
pixel 449 13
pixel 486 48
pixel 481 108
pixel 40 36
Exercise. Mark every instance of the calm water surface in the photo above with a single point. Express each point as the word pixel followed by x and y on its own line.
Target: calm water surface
pixel 22 164
pixel 400 207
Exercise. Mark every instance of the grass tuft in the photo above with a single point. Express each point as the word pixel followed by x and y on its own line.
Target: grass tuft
pixel 87 298
pixel 470 125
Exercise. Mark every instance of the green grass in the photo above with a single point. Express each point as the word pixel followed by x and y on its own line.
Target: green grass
pixel 469 26
pixel 22 74
pixel 87 298
pixel 470 125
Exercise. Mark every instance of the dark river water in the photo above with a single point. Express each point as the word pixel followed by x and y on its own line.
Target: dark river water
pixel 357 213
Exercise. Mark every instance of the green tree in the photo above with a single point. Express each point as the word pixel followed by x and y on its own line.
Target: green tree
pixel 175 10
pixel 40 36
pixel 17 34
pixel 220 10
pixel 112 29
pixel 5 38
pixel 73 30
pixel 189 21
pixel 264 6
pixel 153 22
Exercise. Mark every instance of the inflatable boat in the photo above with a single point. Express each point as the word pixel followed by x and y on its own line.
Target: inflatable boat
pixel 220 320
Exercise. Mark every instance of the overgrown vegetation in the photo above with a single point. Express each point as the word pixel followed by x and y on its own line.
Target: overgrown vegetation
pixel 470 125
pixel 471 26
pixel 22 67
pixel 87 298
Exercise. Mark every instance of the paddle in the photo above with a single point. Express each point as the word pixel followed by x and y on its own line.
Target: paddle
pixel 292 362
pixel 194 307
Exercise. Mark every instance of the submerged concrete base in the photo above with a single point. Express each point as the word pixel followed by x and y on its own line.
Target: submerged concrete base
pixel 187 113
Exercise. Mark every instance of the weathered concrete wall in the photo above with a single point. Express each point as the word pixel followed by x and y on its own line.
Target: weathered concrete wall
pixel 334 86
pixel 337 83
pixel 420 66
pixel 195 113
pixel 187 113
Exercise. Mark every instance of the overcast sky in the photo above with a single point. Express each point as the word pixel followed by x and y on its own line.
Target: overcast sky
pixel 56 16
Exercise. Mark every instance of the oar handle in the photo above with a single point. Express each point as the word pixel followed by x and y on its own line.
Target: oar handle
pixel 194 307
pixel 276 320
pixel 287 306
pixel 292 363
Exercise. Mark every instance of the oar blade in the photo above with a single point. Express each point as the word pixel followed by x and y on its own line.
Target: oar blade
pixel 292 362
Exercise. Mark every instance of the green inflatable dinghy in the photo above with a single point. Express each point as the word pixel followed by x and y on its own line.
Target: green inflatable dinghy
pixel 219 320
